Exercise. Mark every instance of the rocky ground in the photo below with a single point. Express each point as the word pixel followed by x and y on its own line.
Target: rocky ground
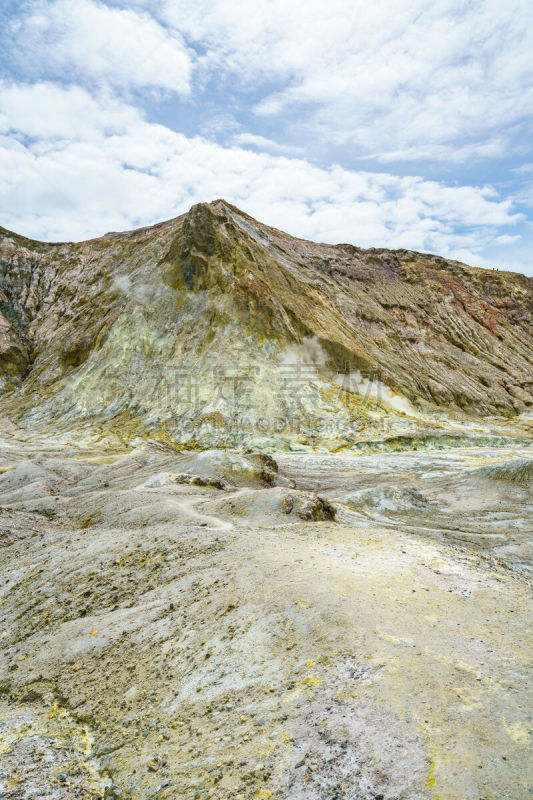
pixel 196 624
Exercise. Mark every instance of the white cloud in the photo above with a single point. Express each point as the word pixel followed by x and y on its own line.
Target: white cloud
pixel 493 148
pixel 261 143
pixel 523 193
pixel 118 171
pixel 117 47
pixel 395 80
pixel 44 111
pixel 396 75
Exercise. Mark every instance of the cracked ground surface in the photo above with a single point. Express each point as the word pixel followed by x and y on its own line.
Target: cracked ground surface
pixel 167 640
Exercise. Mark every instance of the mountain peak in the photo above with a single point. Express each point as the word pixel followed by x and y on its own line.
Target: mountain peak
pixel 320 335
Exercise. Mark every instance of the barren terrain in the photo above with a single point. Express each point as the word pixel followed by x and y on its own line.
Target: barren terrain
pixel 265 519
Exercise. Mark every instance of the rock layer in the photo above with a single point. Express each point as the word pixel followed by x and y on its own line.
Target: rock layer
pixel 213 327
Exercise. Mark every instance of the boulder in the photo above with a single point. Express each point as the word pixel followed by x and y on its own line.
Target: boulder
pixel 309 506
pixel 198 480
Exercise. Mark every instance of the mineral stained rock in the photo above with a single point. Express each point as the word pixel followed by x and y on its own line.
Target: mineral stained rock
pixel 310 507
pixel 216 330
pixel 265 519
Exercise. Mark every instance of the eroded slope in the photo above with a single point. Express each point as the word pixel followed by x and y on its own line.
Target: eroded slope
pixel 212 328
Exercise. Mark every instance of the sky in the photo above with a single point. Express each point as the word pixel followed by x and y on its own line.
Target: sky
pixel 384 123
